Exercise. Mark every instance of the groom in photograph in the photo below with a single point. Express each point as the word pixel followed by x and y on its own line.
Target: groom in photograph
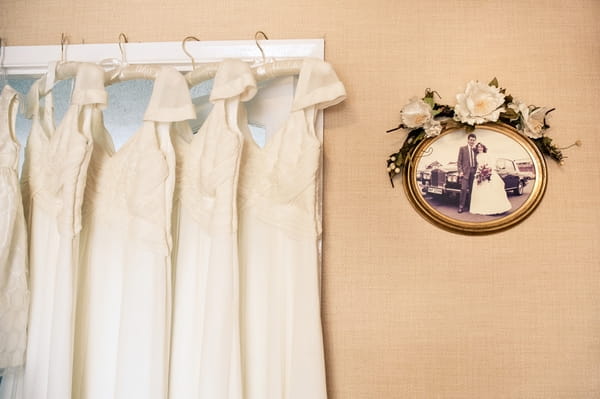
pixel 467 165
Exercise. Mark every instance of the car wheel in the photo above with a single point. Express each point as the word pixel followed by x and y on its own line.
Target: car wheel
pixel 519 189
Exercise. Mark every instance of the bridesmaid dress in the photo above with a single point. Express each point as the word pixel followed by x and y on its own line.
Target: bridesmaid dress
pixel 14 292
pixel 279 237
pixel 124 302
pixel 205 360
pixel 54 178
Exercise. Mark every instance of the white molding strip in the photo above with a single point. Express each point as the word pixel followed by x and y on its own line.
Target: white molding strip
pixel 33 60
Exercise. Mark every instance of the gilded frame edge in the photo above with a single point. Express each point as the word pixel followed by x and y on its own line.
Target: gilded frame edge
pixel 414 194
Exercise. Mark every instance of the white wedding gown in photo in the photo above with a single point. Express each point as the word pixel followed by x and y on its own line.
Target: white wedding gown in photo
pixel 124 302
pixel 14 293
pixel 205 354
pixel 489 196
pixel 279 231
pixel 53 181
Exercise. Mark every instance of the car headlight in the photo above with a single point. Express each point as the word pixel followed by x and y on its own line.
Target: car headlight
pixel 453 178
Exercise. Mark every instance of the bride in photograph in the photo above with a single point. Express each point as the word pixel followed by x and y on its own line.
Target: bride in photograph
pixel 487 195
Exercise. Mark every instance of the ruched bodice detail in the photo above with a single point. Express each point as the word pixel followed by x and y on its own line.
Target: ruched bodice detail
pixel 208 161
pixel 56 163
pixel 207 165
pixel 278 181
pixel 125 189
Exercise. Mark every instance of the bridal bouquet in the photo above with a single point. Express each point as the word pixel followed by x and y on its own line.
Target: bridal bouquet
pixel 484 172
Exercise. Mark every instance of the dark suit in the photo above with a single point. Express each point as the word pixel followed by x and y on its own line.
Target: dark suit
pixel 468 172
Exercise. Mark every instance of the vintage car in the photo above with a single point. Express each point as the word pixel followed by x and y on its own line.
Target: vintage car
pixel 424 176
pixel 444 180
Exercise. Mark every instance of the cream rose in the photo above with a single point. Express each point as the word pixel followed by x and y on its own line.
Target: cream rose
pixel 432 128
pixel 479 103
pixel 416 113
pixel 534 123
pixel 532 118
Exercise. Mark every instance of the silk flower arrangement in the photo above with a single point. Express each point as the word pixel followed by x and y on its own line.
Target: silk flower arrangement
pixel 479 104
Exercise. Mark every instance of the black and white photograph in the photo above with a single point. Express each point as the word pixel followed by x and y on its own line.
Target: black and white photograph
pixel 478 180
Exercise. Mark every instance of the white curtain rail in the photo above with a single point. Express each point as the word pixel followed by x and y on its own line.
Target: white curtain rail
pixel 33 60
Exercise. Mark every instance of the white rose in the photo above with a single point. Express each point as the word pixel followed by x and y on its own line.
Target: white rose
pixel 432 128
pixel 479 103
pixel 532 118
pixel 534 122
pixel 519 107
pixel 416 113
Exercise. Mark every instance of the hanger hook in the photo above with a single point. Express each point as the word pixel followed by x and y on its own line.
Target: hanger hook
pixel 260 32
pixel 122 41
pixel 64 39
pixel 185 50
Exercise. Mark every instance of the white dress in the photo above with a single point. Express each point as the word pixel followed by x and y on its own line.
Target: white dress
pixel 279 232
pixel 205 357
pixel 54 177
pixel 489 196
pixel 124 302
pixel 14 293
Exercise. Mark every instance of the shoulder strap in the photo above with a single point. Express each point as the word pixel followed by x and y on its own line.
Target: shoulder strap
pixel 171 100
pixel 233 79
pixel 318 86
pixel 9 101
pixel 89 86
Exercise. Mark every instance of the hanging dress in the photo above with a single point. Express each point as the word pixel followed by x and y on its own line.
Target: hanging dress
pixel 488 197
pixel 205 353
pixel 14 293
pixel 54 178
pixel 124 312
pixel 279 232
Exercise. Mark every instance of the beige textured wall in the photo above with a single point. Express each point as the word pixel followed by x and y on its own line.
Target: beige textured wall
pixel 411 311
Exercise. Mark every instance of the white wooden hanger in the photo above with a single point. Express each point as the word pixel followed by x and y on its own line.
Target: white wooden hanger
pixel 270 69
pixel 263 69
pixel 61 70
pixel 124 71
pixel 201 73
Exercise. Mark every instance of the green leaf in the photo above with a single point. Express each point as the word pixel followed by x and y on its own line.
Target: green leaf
pixel 469 128
pixel 399 160
pixel 451 123
pixel 509 114
pixel 494 82
pixel 429 100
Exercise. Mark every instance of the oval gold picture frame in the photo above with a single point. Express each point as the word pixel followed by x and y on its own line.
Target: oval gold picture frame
pixel 432 183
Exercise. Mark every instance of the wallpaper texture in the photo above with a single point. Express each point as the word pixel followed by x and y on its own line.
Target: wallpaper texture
pixel 409 310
